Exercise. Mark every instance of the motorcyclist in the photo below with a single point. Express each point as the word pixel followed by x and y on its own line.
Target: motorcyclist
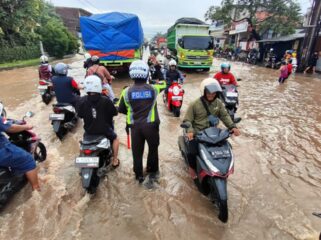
pixel 15 158
pixel 139 103
pixel 87 63
pixel 66 88
pixel 197 116
pixel 100 71
pixel 157 74
pixel 98 112
pixel 173 74
pixel 45 69
pixel 225 77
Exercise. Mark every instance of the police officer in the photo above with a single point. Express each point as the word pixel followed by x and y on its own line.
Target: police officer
pixel 139 103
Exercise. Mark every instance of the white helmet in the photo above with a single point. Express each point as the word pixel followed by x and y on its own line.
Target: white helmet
pixel 44 59
pixel 172 63
pixel 138 70
pixel 93 84
pixel 94 58
pixel 87 56
pixel 211 85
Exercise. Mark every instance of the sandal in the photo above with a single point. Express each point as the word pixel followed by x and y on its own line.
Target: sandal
pixel 117 165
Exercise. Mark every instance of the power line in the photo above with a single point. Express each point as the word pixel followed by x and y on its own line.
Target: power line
pixel 91 5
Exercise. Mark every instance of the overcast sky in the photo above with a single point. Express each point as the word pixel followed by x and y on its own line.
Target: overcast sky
pixel 155 15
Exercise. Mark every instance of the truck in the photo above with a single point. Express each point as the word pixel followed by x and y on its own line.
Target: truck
pixel 116 38
pixel 189 40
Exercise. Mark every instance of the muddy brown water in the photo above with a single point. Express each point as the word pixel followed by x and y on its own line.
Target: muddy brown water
pixel 272 194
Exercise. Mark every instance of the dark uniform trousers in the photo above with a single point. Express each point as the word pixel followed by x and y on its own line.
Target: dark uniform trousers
pixel 139 134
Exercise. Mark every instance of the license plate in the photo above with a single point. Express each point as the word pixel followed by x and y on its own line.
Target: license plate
pixel 87 162
pixel 177 98
pixel 232 94
pixel 55 116
pixel 42 87
pixel 197 63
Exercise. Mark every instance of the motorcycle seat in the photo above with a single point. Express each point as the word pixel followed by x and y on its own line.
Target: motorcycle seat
pixel 92 139
pixel 61 105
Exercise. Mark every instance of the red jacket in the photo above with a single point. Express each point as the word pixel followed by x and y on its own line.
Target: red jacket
pixel 290 67
pixel 225 79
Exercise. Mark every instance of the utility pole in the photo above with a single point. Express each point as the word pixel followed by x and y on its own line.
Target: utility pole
pixel 311 34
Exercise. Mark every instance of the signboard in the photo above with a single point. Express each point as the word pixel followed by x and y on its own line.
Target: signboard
pixel 241 27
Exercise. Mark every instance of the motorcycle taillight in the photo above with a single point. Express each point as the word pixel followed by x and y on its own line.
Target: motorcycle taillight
pixel 57 110
pixel 43 83
pixel 87 151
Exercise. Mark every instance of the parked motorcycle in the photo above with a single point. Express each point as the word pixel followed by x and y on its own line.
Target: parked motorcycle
pixel 46 91
pixel 251 59
pixel 271 62
pixel 214 163
pixel 174 98
pixel 30 142
pixel 230 97
pixel 3 112
pixel 63 119
pixel 95 157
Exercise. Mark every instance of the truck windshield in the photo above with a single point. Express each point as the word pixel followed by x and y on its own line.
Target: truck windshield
pixel 197 43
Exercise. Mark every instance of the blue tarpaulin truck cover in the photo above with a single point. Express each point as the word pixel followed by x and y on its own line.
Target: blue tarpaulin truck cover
pixel 111 32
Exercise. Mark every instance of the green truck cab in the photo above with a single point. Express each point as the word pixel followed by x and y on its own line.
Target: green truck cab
pixel 191 44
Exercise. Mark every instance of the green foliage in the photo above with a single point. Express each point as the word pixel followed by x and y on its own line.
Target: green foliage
pixel 25 23
pixel 221 13
pixel 19 53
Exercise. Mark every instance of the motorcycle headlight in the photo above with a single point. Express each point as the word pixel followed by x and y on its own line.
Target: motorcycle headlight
pixel 176 90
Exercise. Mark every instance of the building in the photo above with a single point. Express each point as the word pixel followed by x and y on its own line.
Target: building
pixel 70 17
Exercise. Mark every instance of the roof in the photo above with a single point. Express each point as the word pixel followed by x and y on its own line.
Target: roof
pixel 299 33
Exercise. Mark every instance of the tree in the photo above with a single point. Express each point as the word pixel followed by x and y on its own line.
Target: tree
pixel 282 15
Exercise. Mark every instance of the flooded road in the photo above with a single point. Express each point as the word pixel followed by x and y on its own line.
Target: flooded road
pixel 272 194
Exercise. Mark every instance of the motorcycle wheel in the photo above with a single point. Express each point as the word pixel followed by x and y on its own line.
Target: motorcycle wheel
pixel 46 98
pixel 176 111
pixel 93 184
pixel 61 133
pixel 4 113
pixel 40 153
pixel 221 204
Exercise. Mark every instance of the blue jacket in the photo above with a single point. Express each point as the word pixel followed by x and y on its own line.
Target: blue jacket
pixel 65 92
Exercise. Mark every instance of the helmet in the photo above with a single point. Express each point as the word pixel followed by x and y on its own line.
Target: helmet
pixel 94 58
pixel 43 59
pixel 172 63
pixel 93 84
pixel 225 65
pixel 271 49
pixel 61 69
pixel 138 70
pixel 211 85
pixel 87 56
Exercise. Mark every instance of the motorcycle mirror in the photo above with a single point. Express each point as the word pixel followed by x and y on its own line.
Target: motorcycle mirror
pixel 29 114
pixel 185 125
pixel 239 79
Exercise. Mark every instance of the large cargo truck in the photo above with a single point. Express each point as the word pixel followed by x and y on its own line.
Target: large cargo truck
pixel 117 38
pixel 190 41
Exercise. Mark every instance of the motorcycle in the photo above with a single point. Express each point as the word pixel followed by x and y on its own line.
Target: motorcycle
pixel 174 98
pixel 46 91
pixel 95 157
pixel 30 142
pixel 251 59
pixel 63 119
pixel 230 98
pixel 214 163
pixel 3 112
pixel 271 62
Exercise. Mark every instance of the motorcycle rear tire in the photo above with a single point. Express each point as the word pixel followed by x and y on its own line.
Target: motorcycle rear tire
pixel 4 113
pixel 176 111
pixel 61 133
pixel 43 153
pixel 46 98
pixel 93 184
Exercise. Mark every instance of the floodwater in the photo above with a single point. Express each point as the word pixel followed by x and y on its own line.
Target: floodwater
pixel 272 194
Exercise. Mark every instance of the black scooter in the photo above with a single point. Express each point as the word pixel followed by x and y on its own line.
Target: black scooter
pixel 95 157
pixel 30 142
pixel 230 97
pixel 214 163
pixel 63 119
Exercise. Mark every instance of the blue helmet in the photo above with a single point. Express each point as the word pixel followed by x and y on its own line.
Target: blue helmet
pixel 225 65
pixel 61 68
